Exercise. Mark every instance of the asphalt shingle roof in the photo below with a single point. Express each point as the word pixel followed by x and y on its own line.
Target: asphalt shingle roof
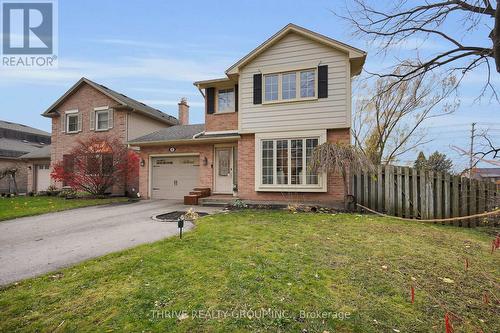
pixel 173 133
pixel 121 98
pixel 43 152
pixel 16 148
pixel 22 128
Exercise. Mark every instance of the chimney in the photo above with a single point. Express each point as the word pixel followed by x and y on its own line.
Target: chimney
pixel 183 112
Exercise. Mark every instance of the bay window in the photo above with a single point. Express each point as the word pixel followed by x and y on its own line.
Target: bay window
pixel 285 163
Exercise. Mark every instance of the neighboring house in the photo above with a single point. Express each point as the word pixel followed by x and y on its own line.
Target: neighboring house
pixel 487 174
pixel 38 169
pixel 15 141
pixel 262 122
pixel 89 108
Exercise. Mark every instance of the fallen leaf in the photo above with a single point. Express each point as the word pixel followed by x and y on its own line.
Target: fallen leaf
pixel 384 267
pixel 448 280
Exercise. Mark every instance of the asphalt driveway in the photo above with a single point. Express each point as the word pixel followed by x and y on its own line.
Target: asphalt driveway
pixel 35 245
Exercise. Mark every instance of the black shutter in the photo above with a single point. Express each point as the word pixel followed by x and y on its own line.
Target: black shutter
pixel 323 81
pixel 236 98
pixel 257 89
pixel 210 100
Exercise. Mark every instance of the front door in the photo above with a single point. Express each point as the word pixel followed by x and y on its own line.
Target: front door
pixel 224 170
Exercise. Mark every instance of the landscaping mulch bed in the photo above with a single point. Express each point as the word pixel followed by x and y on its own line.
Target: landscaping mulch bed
pixel 173 216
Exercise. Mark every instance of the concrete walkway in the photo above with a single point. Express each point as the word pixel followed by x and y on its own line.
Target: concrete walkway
pixel 31 246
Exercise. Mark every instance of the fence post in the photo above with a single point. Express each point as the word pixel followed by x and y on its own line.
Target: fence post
pixel 398 193
pixel 423 195
pixel 380 189
pixel 464 200
pixel 389 189
pixel 414 180
pixel 455 201
pixel 407 192
pixel 439 195
pixel 446 187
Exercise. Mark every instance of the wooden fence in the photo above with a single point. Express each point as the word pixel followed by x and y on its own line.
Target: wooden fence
pixel 419 194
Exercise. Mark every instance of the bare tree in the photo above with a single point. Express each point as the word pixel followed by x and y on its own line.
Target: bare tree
pixel 340 158
pixel 389 122
pixel 400 21
pixel 11 173
pixel 488 151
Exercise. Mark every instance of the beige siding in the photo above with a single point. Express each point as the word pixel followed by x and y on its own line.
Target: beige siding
pixel 139 125
pixel 293 51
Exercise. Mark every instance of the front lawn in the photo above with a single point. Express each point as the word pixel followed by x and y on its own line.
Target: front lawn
pixel 308 269
pixel 26 206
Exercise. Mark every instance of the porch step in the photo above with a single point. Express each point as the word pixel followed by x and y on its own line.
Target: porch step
pixel 191 200
pixel 205 191
pixel 217 201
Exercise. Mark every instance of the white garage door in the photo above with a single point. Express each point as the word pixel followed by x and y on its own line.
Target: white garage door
pixel 42 177
pixel 173 177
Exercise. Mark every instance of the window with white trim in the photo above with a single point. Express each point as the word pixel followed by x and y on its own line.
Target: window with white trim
pixel 307 83
pixel 225 100
pixel 290 86
pixel 271 87
pixel 286 162
pixel 102 120
pixel 72 123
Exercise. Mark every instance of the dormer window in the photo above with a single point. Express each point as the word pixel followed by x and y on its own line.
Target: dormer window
pixel 225 100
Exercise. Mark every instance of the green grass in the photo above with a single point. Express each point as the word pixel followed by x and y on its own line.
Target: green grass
pixel 278 260
pixel 27 206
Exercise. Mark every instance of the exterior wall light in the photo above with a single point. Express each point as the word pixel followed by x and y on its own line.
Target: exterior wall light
pixel 143 163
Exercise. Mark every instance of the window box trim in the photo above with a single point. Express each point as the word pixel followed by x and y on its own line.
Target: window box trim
pixel 231 110
pixel 259 137
pixel 97 111
pixel 72 113
pixel 297 86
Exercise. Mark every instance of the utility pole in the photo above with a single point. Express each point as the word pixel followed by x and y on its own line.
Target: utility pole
pixel 471 152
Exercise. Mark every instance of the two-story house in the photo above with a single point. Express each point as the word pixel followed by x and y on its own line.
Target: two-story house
pixel 262 122
pixel 89 108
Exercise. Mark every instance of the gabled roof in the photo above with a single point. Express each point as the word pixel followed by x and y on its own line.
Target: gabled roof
pixel 356 56
pixel 123 100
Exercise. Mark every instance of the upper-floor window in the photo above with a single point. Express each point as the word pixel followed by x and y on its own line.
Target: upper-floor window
pixel 307 83
pixel 271 87
pixel 72 123
pixel 102 120
pixel 225 100
pixel 290 86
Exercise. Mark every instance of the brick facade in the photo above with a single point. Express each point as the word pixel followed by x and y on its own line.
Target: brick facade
pixel 205 171
pixel 85 99
pixel 221 122
pixel 246 175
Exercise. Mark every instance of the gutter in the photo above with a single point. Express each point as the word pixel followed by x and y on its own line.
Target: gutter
pixel 184 141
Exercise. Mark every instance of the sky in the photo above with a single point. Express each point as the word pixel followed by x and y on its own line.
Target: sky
pixel 154 50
